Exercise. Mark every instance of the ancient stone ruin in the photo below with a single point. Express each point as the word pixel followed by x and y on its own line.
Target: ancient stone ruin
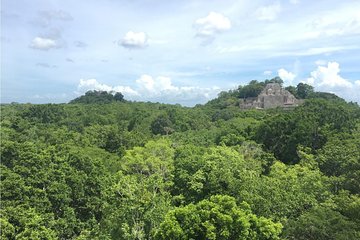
pixel 272 96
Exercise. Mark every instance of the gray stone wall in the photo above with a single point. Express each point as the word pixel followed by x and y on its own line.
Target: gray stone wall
pixel 272 96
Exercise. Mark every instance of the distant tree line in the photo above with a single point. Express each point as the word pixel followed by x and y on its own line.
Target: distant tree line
pixel 101 97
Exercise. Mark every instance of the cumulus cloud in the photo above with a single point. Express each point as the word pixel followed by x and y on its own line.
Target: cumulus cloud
pixel 43 43
pixel 134 40
pixel 162 89
pixel 52 39
pixel 268 13
pixel 211 25
pixel 92 84
pixel 150 88
pixel 154 86
pixel 162 86
pixel 328 76
pixel 288 77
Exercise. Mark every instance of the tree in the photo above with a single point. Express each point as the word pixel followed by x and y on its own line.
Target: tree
pixel 304 90
pixel 292 90
pixel 325 95
pixel 202 172
pixel 287 191
pixel 253 89
pixel 119 97
pixel 340 159
pixel 309 125
pixel 162 125
pixel 46 113
pixel 98 97
pixel 217 218
pixel 322 223
pixel 140 194
pixel 275 80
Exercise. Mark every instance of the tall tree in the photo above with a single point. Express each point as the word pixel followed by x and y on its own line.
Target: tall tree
pixel 217 218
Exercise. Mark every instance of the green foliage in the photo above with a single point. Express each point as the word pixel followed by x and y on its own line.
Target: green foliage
pixel 202 172
pixel 98 97
pixel 217 218
pixel 140 193
pixel 304 90
pixel 322 223
pixel 309 125
pixel 253 89
pixel 287 191
pixel 231 98
pixel 292 90
pixel 133 170
pixel 325 95
pixel 49 113
pixel 58 188
pixel 340 158
pixel 162 125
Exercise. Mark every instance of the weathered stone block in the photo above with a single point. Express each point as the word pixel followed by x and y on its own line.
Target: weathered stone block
pixel 272 96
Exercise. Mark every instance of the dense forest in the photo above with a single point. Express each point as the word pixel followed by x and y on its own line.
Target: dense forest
pixel 102 167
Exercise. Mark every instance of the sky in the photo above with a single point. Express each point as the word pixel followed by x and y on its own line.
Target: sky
pixel 182 52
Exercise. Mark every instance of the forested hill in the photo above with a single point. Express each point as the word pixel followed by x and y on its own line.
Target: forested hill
pixel 102 167
pixel 253 89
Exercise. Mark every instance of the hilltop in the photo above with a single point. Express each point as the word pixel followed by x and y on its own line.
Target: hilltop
pixel 249 93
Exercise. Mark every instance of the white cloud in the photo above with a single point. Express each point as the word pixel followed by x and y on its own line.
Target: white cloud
pixel 294 2
pixel 93 84
pixel 157 85
pixel 214 23
pixel 267 73
pixel 45 44
pixel 320 62
pixel 316 51
pixel 134 40
pixel 155 89
pixel 286 76
pixel 268 13
pixel 162 88
pixel 328 77
pixel 336 23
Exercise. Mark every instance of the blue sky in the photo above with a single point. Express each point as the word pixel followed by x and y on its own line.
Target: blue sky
pixel 175 51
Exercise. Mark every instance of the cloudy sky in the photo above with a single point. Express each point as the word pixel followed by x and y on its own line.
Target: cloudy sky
pixel 175 51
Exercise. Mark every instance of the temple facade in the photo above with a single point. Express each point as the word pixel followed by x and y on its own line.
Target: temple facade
pixel 272 96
